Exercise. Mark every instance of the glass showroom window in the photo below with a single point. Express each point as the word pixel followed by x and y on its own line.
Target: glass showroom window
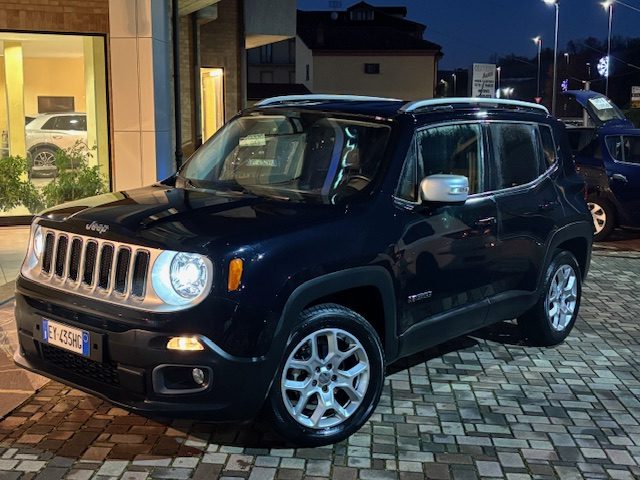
pixel 53 121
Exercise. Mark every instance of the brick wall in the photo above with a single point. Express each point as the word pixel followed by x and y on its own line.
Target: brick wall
pixel 187 98
pixel 81 16
pixel 221 43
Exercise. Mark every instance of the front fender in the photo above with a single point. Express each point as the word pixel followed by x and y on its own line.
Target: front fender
pixel 335 282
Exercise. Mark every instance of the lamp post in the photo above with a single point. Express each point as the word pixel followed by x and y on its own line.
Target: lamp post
pixel 499 70
pixel 538 41
pixel 556 3
pixel 608 5
pixel 455 84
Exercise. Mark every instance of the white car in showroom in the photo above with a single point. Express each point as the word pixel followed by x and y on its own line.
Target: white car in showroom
pixel 49 132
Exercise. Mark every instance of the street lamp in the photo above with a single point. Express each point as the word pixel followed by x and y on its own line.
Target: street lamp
pixel 455 84
pixel 499 70
pixel 608 5
pixel 538 41
pixel 556 3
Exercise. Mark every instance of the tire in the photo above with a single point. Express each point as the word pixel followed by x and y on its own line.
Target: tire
pixel 43 156
pixel 604 217
pixel 355 397
pixel 539 325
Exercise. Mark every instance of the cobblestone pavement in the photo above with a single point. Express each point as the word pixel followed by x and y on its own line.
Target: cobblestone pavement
pixel 482 406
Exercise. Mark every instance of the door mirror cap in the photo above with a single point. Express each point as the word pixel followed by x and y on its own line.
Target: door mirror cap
pixel 444 189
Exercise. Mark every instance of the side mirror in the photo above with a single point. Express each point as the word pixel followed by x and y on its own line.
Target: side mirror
pixel 444 189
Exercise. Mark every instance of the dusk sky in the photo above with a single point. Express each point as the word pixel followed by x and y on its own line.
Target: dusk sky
pixel 472 30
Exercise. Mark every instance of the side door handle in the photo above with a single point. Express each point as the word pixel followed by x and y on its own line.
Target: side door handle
pixel 619 177
pixel 486 222
pixel 548 205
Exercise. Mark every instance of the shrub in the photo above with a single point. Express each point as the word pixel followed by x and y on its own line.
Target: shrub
pixel 75 178
pixel 15 188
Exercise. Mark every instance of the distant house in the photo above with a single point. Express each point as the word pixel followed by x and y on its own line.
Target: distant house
pixel 364 50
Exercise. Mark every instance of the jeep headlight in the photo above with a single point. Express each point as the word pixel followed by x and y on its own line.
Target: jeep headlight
pixel 180 278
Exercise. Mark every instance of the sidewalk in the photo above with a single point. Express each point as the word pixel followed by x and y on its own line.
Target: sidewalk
pixel 16 384
pixel 13 245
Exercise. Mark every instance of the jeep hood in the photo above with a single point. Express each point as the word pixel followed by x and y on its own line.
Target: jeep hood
pixel 173 218
pixel 600 109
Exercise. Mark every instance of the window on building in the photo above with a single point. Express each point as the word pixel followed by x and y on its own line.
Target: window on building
pixel 292 51
pixel 266 77
pixel 56 104
pixel 266 53
pixel 372 68
pixel 212 103
pixel 42 76
pixel 362 15
pixel 307 75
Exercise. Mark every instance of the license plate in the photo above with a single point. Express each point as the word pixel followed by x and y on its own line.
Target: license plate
pixel 68 338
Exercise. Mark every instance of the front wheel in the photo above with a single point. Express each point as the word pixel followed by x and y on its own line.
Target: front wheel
pixel 551 320
pixel 331 377
pixel 603 215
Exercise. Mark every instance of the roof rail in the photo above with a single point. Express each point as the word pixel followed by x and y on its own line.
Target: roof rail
pixel 322 98
pixel 489 102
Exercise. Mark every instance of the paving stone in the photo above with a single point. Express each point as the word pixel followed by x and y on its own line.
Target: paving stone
pixel 490 407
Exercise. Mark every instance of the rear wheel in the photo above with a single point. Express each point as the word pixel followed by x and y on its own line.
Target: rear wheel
pixel 603 215
pixel 331 378
pixel 552 318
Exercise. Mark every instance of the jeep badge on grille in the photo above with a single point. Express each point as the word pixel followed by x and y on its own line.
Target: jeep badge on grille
pixel 97 227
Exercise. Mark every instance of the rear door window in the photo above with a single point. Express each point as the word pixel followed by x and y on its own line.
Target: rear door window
pixel 517 159
pixel 631 149
pixel 549 150
pixel 614 145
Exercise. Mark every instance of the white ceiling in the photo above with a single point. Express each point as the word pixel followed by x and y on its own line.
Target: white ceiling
pixel 42 45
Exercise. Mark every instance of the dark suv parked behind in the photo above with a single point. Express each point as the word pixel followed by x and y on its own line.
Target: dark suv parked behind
pixel 310 243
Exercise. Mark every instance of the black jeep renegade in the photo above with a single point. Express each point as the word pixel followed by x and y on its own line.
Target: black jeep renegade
pixel 310 243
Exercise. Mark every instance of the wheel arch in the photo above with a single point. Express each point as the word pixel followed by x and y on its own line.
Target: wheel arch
pixel 43 145
pixel 362 289
pixel 576 238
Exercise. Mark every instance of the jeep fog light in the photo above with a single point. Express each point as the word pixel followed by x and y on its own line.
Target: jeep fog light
pixel 185 344
pixel 198 376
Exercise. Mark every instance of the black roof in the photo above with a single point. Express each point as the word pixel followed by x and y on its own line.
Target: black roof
pixel 258 91
pixel 386 30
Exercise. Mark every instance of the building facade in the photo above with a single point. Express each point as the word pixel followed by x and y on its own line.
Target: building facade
pixel 363 50
pixel 131 86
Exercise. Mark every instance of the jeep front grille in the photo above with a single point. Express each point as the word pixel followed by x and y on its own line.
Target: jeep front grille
pixel 103 269
pixel 95 267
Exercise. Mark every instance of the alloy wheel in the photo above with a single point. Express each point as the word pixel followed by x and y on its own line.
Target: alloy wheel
pixel 562 297
pixel 325 378
pixel 599 217
pixel 44 158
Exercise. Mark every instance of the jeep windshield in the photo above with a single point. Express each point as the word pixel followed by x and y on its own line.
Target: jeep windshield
pixel 296 156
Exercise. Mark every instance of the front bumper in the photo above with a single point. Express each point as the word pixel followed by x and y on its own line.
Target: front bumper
pixel 122 362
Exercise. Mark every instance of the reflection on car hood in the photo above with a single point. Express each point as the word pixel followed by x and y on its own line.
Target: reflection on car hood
pixel 181 219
